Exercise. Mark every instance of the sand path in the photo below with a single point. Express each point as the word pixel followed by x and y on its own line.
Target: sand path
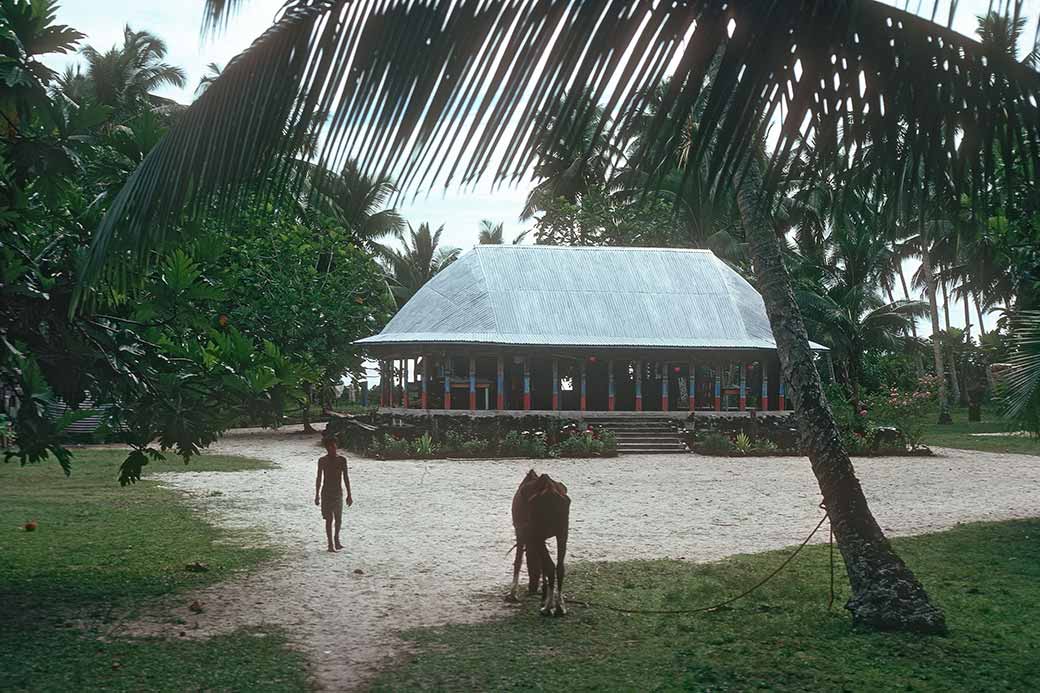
pixel 430 538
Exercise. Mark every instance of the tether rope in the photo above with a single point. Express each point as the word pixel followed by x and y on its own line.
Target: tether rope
pixel 715 607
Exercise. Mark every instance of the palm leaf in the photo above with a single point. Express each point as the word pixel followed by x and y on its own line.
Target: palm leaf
pixel 460 91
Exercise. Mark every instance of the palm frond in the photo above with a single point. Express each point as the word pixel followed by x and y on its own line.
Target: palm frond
pixel 1023 377
pixel 460 91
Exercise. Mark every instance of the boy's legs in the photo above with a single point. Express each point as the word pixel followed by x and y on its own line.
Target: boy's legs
pixel 339 522
pixel 328 532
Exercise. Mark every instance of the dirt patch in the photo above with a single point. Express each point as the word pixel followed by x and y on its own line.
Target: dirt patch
pixel 431 536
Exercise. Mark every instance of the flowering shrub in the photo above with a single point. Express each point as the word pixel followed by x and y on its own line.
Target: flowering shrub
pixel 906 412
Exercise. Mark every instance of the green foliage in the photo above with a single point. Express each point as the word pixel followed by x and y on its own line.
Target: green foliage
pixel 223 322
pixel 742 443
pixel 424 447
pixel 716 443
pixel 904 411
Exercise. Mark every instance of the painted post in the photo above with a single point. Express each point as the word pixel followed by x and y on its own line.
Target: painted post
pixel 472 384
pixel 692 381
pixel 527 384
pixel 581 374
pixel 382 383
pixel 556 384
pixel 447 382
pixel 404 383
pixel 639 386
pixel 500 400
pixel 425 377
pixel 718 388
pixel 780 399
pixel 610 385
pixel 743 387
pixel 665 377
pixel 764 403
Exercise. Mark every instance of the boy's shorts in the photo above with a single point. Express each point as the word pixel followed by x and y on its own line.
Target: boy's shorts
pixel 331 503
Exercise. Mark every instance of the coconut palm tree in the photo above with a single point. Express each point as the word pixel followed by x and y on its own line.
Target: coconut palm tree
pixel 125 77
pixel 419 99
pixel 358 202
pixel 419 259
pixel 490 232
pixel 213 71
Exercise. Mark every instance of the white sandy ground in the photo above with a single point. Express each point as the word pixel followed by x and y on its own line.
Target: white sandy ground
pixel 431 537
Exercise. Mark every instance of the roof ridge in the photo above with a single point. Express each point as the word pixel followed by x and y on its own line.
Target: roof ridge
pixel 626 248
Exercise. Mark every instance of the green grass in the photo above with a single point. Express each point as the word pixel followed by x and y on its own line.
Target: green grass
pixel 958 434
pixel 782 638
pixel 102 552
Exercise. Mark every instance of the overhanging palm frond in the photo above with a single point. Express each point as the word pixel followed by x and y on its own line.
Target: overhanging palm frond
pixel 1023 378
pixel 456 91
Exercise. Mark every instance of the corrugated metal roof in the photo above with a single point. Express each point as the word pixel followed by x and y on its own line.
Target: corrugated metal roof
pixel 603 296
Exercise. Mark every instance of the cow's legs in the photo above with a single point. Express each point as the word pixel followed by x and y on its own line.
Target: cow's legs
pixel 549 573
pixel 517 563
pixel 561 554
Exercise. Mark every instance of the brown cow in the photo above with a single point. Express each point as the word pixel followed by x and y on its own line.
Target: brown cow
pixel 541 510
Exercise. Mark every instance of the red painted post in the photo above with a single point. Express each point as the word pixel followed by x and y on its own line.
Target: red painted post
pixel 527 384
pixel 764 404
pixel 664 386
pixel 780 399
pixel 610 385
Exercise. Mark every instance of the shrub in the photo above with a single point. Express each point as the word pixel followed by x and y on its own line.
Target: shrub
pixel 716 444
pixel 424 447
pixel 391 448
pixel 906 412
pixel 742 443
pixel 608 441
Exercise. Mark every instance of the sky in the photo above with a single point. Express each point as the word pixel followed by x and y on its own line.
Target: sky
pixel 460 212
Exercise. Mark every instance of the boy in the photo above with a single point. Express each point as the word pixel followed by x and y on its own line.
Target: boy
pixel 329 495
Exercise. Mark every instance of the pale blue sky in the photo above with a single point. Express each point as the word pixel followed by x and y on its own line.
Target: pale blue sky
pixel 178 21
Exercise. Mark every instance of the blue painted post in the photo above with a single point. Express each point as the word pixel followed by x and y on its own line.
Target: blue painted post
pixel 556 384
pixel 447 382
pixel 582 376
pixel 501 381
pixel 718 388
pixel 424 397
pixel 472 384
pixel 610 386
pixel 693 386
pixel 639 386
pixel 743 387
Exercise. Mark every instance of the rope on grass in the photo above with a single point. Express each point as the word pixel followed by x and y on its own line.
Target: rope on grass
pixel 716 607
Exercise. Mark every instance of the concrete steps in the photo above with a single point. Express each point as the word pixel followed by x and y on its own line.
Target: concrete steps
pixel 643 435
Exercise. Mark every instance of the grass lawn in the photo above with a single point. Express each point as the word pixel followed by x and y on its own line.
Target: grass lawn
pixel 958 434
pixel 782 638
pixel 102 551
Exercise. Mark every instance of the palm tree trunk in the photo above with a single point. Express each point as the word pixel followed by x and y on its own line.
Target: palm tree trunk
pixel 918 362
pixel 946 304
pixel 885 593
pixel 978 309
pixel 967 349
pixel 940 371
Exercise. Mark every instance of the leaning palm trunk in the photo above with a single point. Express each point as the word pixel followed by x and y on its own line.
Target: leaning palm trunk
pixel 944 402
pixel 918 364
pixel 885 593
